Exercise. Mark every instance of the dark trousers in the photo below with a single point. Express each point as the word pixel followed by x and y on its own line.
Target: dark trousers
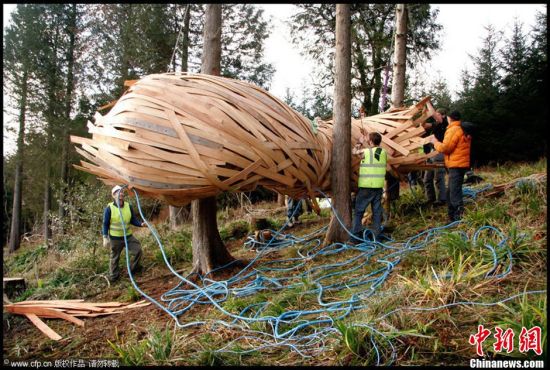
pixel 116 250
pixel 366 196
pixel 294 208
pixel 455 202
pixel 415 178
pixel 439 175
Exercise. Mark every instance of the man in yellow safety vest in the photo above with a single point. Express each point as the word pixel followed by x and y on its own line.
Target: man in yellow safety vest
pixel 372 173
pixel 113 233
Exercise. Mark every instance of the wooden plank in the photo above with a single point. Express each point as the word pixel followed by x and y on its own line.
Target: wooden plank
pixel 387 122
pixel 141 303
pixel 41 325
pixel 399 129
pixel 395 145
pixel 98 314
pixel 39 311
pixel 68 305
pixel 417 131
pixel 48 301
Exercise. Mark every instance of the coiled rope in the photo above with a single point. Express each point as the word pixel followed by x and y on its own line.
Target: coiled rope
pixel 313 273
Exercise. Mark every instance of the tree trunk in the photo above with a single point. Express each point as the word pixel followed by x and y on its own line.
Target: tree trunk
pixel 212 54
pixel 281 200
pixel 341 150
pixel 209 252
pixel 15 228
pixel 67 117
pixel 398 86
pixel 46 215
pixel 363 84
pixel 376 63
pixel 185 41
pixel 176 215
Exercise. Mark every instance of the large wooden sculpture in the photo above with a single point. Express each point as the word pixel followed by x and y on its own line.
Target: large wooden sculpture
pixel 189 136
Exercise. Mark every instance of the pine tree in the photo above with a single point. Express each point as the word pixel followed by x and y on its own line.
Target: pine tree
pixel 479 103
pixel 72 25
pixel 439 91
pixel 20 52
pixel 537 81
pixel 243 34
pixel 312 29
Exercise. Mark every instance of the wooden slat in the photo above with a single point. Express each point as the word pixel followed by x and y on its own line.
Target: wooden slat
pixel 39 311
pixel 41 325
pixel 395 146
pixel 32 302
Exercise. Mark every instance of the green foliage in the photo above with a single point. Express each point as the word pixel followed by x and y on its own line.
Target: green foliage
pixel 84 205
pixel 455 244
pixel 244 31
pixel 525 314
pixel 61 278
pixel 25 295
pixel 132 294
pixel 156 348
pixel 313 30
pixel 360 341
pixel 495 215
pixel 504 96
pixel 130 355
pixel 25 260
pixel 410 201
pixel 177 247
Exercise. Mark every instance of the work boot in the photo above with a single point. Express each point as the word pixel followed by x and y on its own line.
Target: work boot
pixel 289 222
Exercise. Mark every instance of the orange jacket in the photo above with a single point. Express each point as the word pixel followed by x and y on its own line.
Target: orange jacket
pixel 455 146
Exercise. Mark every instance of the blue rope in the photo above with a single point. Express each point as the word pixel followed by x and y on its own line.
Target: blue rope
pixel 307 331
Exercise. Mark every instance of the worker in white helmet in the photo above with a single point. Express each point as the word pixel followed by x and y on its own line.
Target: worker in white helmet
pixel 113 233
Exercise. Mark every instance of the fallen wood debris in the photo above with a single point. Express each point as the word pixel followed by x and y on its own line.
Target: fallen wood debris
pixel 179 137
pixel 531 179
pixel 66 310
pixel 13 286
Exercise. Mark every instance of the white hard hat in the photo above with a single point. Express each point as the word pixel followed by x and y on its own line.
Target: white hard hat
pixel 115 189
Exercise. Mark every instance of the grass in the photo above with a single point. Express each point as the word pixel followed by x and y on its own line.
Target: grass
pixel 413 307
pixel 155 349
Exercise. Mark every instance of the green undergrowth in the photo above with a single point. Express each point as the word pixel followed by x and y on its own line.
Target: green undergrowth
pixel 424 309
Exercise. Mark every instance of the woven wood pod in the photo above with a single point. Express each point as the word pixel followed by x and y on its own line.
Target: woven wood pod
pixel 188 136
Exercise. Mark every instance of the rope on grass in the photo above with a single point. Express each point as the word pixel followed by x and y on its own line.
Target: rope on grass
pixel 306 331
pixel 470 193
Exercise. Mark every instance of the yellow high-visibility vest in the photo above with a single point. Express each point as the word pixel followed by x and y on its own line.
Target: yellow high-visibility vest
pixel 115 228
pixel 372 170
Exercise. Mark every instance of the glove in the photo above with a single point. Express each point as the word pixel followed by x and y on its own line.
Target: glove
pixel 105 242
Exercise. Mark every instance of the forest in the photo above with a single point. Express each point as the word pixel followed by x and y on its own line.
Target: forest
pixel 65 62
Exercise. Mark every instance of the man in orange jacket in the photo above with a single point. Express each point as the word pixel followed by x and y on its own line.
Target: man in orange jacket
pixel 456 148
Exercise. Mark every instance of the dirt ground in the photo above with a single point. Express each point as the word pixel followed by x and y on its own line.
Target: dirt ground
pixel 23 341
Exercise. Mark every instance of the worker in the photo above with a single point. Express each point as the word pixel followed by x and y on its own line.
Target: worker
pixel 372 173
pixel 456 147
pixel 113 233
pixel 437 127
